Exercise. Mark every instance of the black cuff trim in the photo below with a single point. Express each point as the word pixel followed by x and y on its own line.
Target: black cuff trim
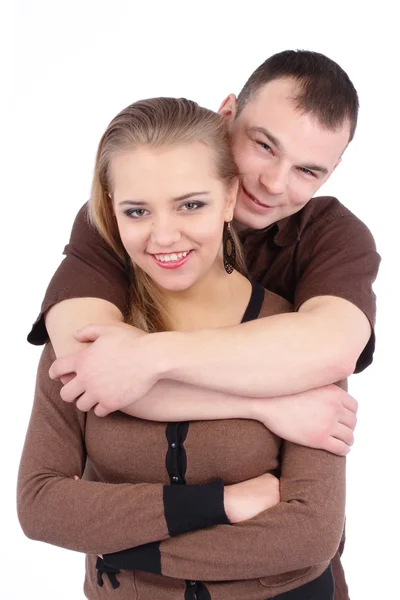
pixel 190 507
pixel 141 558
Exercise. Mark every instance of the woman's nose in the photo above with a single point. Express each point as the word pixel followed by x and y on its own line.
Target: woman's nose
pixel 165 234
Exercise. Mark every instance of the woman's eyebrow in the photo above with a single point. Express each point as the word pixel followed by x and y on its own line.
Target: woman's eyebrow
pixel 189 195
pixel 176 199
pixel 135 202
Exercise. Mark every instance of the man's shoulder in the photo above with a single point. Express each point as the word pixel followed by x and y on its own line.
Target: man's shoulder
pixel 321 209
pixel 327 215
pixel 322 214
pixel 82 226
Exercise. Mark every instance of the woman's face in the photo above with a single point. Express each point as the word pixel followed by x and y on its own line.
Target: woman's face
pixel 171 208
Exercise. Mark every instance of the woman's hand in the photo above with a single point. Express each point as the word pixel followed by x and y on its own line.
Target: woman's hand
pixel 247 499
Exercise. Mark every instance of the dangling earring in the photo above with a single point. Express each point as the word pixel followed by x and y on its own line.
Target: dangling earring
pixel 229 249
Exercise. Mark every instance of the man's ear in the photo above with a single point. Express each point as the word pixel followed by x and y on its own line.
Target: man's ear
pixel 337 164
pixel 228 107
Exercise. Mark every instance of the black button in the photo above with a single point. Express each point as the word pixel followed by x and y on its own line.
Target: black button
pixel 192 583
pixel 173 445
pixel 175 478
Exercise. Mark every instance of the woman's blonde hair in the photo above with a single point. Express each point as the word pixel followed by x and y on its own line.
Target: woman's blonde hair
pixel 155 122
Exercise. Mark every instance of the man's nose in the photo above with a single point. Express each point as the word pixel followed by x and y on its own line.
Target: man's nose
pixel 274 179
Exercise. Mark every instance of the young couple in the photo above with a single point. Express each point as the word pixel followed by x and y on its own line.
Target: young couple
pixel 219 468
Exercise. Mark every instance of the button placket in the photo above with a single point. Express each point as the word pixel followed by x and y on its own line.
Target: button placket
pixel 176 467
pixel 176 455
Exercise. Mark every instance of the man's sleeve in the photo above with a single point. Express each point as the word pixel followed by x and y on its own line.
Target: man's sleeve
pixel 90 269
pixel 303 530
pixel 340 259
pixel 90 516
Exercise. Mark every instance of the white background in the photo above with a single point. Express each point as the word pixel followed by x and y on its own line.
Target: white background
pixel 76 64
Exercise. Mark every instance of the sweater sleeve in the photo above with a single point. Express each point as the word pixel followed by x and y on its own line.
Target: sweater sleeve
pixel 95 517
pixel 303 530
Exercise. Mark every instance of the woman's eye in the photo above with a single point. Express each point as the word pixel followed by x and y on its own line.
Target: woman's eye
pixel 190 206
pixel 136 213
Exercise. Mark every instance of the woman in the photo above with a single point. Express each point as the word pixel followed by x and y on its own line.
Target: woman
pixel 163 503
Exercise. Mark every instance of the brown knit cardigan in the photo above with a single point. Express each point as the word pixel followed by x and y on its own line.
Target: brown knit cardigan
pixel 151 498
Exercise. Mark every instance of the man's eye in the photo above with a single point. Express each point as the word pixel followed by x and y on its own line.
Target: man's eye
pixel 264 145
pixel 135 213
pixel 190 206
pixel 306 171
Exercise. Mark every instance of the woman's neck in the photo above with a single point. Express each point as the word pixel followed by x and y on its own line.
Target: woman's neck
pixel 217 300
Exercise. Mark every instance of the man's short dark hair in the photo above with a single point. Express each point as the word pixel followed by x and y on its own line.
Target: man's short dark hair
pixel 325 90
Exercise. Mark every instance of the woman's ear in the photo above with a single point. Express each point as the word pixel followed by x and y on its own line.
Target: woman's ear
pixel 231 200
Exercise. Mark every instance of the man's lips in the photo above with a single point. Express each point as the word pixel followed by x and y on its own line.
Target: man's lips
pixel 255 200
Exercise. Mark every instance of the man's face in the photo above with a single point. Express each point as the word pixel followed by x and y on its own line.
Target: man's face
pixel 283 156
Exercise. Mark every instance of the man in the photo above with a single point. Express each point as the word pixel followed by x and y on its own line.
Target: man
pixel 289 128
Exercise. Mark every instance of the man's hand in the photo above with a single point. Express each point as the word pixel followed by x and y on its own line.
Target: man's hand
pixel 109 372
pixel 245 500
pixel 323 418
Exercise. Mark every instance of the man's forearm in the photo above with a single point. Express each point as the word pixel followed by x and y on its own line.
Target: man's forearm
pixel 274 356
pixel 223 357
pixel 67 316
pixel 170 401
pixel 322 418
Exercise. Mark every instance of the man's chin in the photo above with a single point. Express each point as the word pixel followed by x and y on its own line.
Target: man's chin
pixel 246 219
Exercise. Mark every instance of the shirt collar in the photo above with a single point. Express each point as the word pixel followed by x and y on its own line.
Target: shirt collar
pixel 284 233
pixel 287 231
